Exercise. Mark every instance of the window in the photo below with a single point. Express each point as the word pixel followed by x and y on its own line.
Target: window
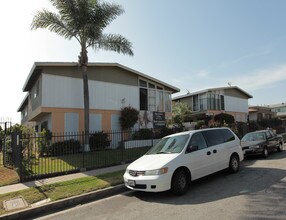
pixel 143 99
pixel 228 136
pixel 213 137
pixel 143 83
pixel 154 98
pixel 36 90
pixel 168 102
pixel 198 140
pixel 168 145
pixel 160 101
pixel 44 126
pixel 222 102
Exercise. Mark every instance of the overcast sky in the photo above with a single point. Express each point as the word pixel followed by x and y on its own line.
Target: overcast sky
pixel 191 44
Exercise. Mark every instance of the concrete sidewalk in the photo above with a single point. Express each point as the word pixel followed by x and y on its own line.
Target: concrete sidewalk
pixel 26 185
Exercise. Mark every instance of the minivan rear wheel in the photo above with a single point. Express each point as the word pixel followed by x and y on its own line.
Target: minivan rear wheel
pixel 234 163
pixel 180 182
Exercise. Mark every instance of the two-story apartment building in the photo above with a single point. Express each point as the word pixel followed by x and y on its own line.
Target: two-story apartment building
pixel 54 97
pixel 231 100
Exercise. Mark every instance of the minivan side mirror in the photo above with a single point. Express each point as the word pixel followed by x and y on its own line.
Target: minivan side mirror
pixel 192 149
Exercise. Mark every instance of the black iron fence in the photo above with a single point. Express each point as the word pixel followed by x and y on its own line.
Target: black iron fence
pixel 45 154
pixel 5 142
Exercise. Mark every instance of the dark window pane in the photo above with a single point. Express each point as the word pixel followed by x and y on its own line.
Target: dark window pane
pixel 198 140
pixel 213 137
pixel 143 99
pixel 142 83
pixel 228 136
pixel 222 102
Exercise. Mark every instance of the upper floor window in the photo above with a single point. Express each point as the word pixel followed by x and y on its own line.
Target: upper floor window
pixel 36 90
pixel 154 98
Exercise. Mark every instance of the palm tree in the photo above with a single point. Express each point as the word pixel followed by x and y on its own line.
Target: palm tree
pixel 85 21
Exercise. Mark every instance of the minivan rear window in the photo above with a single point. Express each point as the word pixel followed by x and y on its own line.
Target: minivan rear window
pixel 228 136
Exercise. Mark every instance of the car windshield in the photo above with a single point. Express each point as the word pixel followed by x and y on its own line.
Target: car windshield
pixel 168 145
pixel 254 137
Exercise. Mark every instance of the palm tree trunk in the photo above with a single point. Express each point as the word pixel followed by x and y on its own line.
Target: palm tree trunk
pixel 83 60
pixel 86 108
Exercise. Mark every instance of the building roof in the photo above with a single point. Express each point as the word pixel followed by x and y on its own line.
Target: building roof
pixel 277 105
pixel 36 71
pixel 24 103
pixel 213 89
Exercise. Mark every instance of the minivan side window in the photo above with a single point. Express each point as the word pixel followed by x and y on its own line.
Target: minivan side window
pixel 197 140
pixel 213 137
pixel 228 136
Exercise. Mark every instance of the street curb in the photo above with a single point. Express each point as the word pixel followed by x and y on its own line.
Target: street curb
pixel 64 203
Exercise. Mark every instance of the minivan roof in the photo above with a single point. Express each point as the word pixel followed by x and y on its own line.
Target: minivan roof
pixel 195 131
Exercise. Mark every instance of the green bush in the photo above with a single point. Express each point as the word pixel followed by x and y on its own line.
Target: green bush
pixel 99 141
pixel 128 117
pixel 64 147
pixel 224 119
pixel 143 134
pixel 165 132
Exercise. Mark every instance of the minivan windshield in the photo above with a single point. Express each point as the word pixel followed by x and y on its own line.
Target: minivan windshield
pixel 169 145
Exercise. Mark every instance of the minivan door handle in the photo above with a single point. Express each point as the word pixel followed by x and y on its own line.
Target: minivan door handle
pixel 214 151
pixel 209 153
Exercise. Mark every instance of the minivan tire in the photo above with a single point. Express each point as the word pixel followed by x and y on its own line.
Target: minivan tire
pixel 234 163
pixel 180 182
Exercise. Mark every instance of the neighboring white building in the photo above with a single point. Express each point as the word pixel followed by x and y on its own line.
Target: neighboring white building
pixel 231 100
pixel 280 110
pixel 54 97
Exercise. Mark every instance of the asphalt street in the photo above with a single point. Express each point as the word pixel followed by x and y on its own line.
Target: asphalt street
pixel 258 191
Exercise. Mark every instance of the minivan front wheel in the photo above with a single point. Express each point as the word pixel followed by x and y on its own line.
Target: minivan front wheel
pixel 234 163
pixel 180 182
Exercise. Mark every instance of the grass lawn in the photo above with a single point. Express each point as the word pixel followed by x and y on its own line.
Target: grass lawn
pixel 65 189
pixel 50 165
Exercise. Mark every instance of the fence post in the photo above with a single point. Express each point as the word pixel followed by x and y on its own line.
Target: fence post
pixel 83 168
pixel 17 156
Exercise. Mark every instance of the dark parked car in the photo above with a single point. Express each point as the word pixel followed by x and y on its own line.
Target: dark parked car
pixel 261 142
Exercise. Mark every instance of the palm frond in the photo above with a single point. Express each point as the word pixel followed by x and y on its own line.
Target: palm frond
pixel 103 14
pixel 52 21
pixel 114 42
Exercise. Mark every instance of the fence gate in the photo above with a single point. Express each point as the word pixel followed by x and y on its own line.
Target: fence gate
pixel 17 155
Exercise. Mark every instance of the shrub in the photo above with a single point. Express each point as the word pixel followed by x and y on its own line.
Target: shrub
pixel 143 134
pixel 165 132
pixel 64 147
pixel 224 118
pixel 128 118
pixel 99 141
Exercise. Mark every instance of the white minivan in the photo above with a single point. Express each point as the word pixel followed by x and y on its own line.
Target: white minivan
pixel 180 158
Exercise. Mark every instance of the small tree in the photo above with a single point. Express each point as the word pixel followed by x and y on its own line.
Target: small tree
pixel 180 113
pixel 129 117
